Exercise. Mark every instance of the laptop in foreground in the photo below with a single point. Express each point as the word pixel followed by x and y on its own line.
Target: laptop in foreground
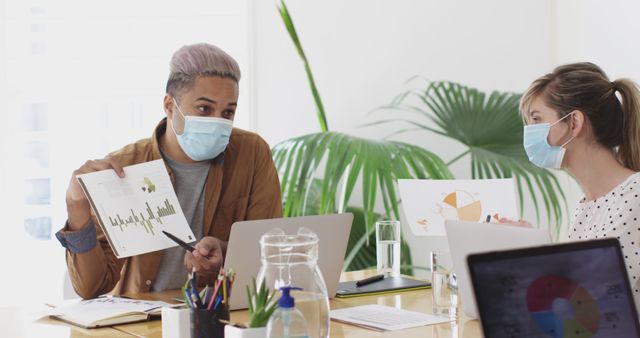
pixel 578 289
pixel 243 251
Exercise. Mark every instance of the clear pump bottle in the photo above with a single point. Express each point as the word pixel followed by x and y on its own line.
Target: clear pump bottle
pixel 287 321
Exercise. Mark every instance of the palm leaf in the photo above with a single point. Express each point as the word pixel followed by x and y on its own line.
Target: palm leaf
pixel 342 161
pixel 491 128
pixel 319 172
pixel 288 23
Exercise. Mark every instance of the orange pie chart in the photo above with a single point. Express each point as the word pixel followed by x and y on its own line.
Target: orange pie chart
pixel 461 205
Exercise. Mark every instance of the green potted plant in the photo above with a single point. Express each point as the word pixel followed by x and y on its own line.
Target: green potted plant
pixel 319 173
pixel 262 304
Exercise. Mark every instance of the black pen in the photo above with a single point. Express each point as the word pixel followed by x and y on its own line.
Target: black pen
pixel 179 241
pixel 369 280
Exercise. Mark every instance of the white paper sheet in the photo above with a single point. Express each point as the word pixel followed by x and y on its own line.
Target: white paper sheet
pixel 385 318
pixel 428 203
pixel 134 210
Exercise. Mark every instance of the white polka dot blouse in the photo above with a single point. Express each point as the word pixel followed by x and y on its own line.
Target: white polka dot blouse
pixel 617 215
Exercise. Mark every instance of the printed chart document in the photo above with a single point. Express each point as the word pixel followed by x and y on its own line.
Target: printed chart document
pixel 132 211
pixel 428 203
pixel 384 318
pixel 107 311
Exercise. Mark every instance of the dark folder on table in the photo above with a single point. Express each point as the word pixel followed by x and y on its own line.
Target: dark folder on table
pixel 387 285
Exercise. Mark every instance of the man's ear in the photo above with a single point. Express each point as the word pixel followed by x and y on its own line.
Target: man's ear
pixel 577 122
pixel 167 104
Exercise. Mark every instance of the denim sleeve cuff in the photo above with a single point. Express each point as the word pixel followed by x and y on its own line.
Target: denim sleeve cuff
pixel 79 241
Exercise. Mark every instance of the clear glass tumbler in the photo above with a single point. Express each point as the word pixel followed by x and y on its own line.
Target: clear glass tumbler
pixel 444 285
pixel 388 248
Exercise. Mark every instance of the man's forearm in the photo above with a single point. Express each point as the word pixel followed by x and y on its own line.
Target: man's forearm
pixel 78 214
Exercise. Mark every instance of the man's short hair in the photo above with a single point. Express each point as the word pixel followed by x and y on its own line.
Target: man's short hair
pixel 201 59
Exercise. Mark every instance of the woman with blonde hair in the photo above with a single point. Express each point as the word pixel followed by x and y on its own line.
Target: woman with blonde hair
pixel 580 121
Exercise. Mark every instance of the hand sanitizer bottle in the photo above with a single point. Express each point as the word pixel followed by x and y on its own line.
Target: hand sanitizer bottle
pixel 287 321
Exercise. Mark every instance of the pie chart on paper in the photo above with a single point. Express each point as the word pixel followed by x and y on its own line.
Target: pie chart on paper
pixel 461 206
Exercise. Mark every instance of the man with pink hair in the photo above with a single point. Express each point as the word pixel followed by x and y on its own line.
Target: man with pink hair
pixel 220 174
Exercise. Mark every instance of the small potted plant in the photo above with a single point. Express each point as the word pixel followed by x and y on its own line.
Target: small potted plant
pixel 262 304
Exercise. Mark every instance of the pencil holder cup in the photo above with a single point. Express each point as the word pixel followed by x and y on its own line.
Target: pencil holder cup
pixel 206 323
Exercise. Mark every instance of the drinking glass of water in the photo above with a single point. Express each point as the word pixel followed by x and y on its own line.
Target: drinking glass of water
pixel 388 247
pixel 444 285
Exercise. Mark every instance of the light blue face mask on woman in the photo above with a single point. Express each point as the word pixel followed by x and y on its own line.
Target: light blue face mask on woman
pixel 538 149
pixel 203 138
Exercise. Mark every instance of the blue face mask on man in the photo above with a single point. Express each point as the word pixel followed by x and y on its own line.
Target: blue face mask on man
pixel 203 138
pixel 538 149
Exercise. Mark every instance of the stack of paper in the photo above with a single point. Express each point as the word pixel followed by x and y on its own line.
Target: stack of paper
pixel 384 318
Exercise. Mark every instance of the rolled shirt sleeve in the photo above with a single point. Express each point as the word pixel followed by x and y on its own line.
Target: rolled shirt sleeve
pixel 79 241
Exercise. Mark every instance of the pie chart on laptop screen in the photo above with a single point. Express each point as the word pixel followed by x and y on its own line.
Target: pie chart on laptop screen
pixel 563 308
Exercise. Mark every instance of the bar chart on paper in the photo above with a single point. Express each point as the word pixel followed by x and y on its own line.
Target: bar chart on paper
pixel 132 211
pixel 138 218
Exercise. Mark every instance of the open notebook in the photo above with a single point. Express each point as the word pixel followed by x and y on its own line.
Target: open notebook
pixel 108 311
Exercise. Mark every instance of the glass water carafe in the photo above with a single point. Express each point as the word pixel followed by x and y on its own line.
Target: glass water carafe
pixel 292 260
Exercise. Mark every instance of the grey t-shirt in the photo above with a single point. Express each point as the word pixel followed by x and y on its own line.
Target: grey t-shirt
pixel 189 183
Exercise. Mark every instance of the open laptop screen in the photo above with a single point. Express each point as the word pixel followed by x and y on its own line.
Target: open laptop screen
pixel 576 289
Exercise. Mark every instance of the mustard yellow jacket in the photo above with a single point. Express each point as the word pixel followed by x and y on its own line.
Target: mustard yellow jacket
pixel 242 185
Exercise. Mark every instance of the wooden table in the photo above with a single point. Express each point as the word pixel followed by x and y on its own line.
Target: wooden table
pixel 16 322
pixel 411 300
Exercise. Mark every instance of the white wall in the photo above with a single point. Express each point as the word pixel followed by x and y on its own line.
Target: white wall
pixel 97 70
pixel 603 32
pixel 363 51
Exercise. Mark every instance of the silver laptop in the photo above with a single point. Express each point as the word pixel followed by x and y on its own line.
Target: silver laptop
pixel 243 252
pixel 467 238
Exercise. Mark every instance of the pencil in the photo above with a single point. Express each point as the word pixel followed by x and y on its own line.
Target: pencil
pixel 215 292
pixel 224 289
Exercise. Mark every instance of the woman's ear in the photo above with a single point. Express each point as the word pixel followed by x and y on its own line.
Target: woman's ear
pixel 577 123
pixel 167 104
